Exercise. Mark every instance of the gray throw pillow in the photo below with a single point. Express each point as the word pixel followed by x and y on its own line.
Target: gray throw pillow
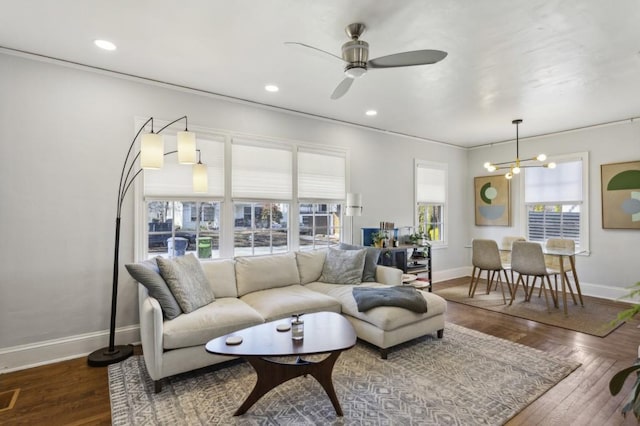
pixel 370 261
pixel 343 266
pixel 148 274
pixel 186 279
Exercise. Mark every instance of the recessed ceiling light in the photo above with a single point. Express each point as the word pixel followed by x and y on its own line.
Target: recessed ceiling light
pixel 271 88
pixel 371 112
pixel 104 44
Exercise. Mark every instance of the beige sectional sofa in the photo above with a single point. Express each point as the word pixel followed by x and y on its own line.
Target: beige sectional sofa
pixel 253 290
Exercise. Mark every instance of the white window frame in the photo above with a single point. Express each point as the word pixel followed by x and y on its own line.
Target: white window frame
pixel 227 222
pixel 584 203
pixel 443 242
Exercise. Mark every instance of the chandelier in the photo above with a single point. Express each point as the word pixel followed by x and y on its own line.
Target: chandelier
pixel 516 165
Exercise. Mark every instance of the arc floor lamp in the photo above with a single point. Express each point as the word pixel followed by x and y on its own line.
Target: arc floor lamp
pixel 151 156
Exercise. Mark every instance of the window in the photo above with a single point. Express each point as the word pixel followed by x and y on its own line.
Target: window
pixel 261 228
pixel 431 194
pixel 174 224
pixel 322 187
pixel 555 200
pixel 252 194
pixel 179 227
pixel 320 225
pixel 265 172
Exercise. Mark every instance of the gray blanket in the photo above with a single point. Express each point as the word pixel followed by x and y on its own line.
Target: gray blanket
pixel 402 296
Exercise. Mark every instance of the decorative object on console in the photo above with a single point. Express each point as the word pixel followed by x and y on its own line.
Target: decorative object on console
pixel 492 201
pixel 517 164
pixel 151 156
pixel 620 195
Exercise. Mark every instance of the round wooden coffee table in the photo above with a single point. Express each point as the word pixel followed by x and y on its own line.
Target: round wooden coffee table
pixel 324 332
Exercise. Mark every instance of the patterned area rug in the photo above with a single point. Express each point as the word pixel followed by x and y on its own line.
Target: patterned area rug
pixel 594 318
pixel 467 378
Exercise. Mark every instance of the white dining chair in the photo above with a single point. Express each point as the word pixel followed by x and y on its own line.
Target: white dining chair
pixel 528 261
pixel 505 252
pixel 486 257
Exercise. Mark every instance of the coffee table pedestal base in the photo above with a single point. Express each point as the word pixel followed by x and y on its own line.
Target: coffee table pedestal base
pixel 272 373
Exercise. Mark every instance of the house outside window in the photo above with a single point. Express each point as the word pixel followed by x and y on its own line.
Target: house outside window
pixel 555 201
pixel 260 228
pixel 431 199
pixel 179 227
pixel 320 225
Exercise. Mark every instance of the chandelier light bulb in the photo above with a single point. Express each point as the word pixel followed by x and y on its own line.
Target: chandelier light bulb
pixel 491 168
pixel 541 157
pixel 551 165
pixel 508 175
pixel 487 165
pixel 516 170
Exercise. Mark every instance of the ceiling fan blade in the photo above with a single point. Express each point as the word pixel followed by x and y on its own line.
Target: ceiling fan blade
pixel 295 43
pixel 342 88
pixel 407 59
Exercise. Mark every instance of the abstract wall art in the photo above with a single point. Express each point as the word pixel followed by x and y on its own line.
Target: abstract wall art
pixel 620 195
pixel 492 201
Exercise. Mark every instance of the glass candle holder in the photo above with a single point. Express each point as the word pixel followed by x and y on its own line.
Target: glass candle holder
pixel 297 328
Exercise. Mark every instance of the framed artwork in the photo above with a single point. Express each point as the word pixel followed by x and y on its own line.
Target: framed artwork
pixel 492 200
pixel 620 195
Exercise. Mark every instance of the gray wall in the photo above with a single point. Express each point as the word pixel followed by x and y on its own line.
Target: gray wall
pixel 63 137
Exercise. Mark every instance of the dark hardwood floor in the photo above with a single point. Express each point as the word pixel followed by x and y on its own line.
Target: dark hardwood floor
pixel 71 393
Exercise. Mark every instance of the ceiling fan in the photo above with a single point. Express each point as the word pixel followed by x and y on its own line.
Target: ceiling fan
pixel 355 55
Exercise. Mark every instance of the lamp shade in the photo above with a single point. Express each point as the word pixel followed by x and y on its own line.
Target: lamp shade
pixel 186 147
pixel 200 181
pixel 152 151
pixel 353 206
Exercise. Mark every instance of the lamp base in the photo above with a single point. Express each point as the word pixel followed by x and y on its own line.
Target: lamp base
pixel 103 357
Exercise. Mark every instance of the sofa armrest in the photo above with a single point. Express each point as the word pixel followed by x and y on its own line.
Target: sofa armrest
pixel 388 275
pixel 151 324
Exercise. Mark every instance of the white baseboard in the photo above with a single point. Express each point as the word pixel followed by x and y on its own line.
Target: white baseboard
pixel 50 351
pixel 588 289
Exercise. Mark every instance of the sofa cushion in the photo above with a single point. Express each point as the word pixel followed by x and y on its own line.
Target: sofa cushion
pixel 221 274
pixel 187 281
pixel 221 317
pixel 343 266
pixel 148 274
pixel 370 260
pixel 283 302
pixel 310 265
pixel 263 272
pixel 383 317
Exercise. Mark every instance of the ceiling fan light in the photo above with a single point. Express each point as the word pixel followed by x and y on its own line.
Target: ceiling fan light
pixel 541 157
pixel 355 72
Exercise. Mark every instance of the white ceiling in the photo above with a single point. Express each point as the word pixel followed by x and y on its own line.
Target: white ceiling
pixel 558 65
